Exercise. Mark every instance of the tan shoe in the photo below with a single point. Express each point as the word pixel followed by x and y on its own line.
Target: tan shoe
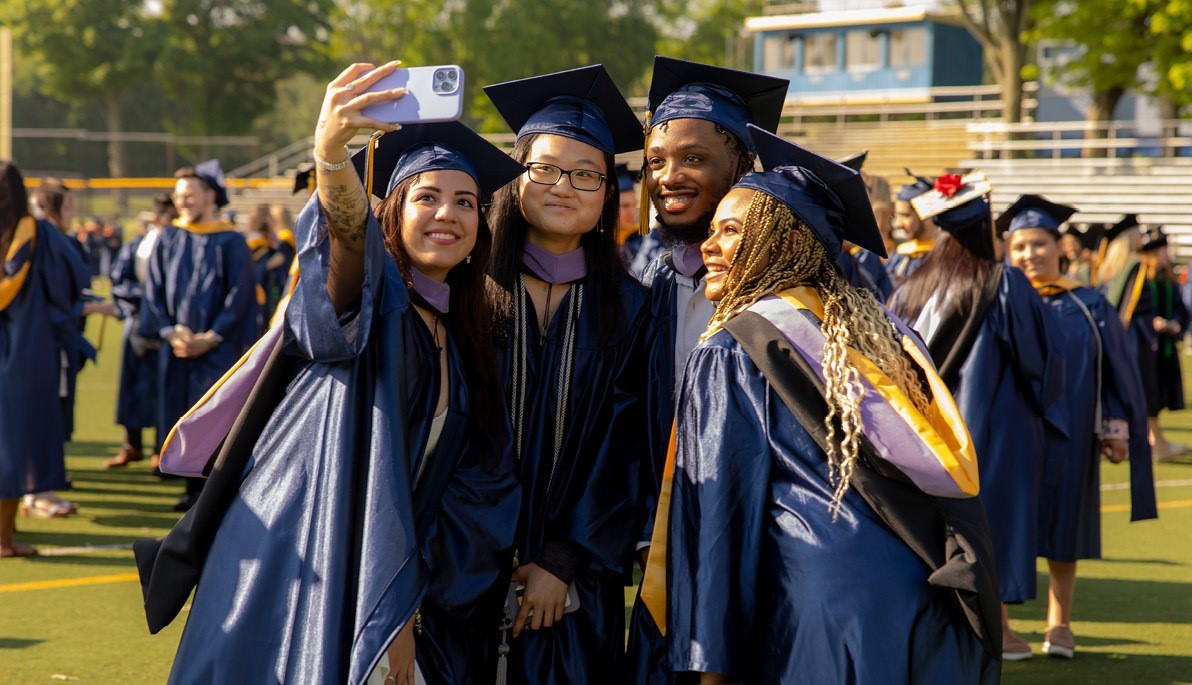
pixel 1014 648
pixel 124 457
pixel 1059 642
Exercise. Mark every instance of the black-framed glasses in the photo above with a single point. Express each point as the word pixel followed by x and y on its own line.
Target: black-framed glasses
pixel 549 175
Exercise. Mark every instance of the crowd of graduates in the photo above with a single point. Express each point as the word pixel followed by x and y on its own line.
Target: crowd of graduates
pixel 429 430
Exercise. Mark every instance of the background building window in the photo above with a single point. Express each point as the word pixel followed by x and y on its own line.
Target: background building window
pixel 908 47
pixel 778 51
pixel 819 53
pixel 862 50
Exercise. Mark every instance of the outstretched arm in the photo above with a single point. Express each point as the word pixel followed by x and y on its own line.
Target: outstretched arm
pixel 341 194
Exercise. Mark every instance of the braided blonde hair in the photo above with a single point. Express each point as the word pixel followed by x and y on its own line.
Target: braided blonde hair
pixel 852 319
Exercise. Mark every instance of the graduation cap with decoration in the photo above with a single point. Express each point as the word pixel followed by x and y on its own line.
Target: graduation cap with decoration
pixel 625 178
pixel 582 104
pixel 1153 238
pixel 391 158
pixel 1034 211
pixel 304 180
pixel 680 89
pixel 212 174
pixel 829 197
pixel 960 206
pixel 1124 224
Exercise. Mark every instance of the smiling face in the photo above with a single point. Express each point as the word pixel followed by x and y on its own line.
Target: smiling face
pixel 689 168
pixel 194 200
pixel 1037 252
pixel 439 221
pixel 559 215
pixel 720 249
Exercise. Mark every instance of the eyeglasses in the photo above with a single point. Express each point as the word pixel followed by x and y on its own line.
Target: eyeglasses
pixel 549 175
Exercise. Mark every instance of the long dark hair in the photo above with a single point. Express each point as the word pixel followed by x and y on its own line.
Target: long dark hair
pixel 950 270
pixel 14 199
pixel 605 268
pixel 471 314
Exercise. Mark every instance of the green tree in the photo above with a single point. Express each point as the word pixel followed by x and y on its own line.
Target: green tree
pixel 999 26
pixel 1171 46
pixel 87 51
pixel 222 59
pixel 1113 44
pixel 710 31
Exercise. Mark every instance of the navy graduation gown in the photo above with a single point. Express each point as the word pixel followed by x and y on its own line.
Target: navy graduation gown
pixel 204 281
pixel 648 249
pixel 34 329
pixel 332 539
pixel 762 584
pixel 903 263
pixel 1012 375
pixel 136 395
pixel 872 264
pixel 1069 526
pixel 588 500
pixel 74 348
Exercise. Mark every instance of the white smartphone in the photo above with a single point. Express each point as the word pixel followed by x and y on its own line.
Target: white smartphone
pixel 432 94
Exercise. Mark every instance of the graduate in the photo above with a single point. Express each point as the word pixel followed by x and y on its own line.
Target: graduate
pixel 136 395
pixel 573 355
pixel 40 291
pixel 629 240
pixel 998 347
pixel 806 404
pixel 1102 408
pixel 363 506
pixel 200 298
pixel 1079 250
pixel 919 233
pixel 697 145
pixel 863 268
pixel 1143 288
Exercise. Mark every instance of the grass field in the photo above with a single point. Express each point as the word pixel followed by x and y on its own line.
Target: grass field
pixel 74 614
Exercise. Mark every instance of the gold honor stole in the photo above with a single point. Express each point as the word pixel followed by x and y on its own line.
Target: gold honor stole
pixel 915 248
pixel 1140 276
pixel 1062 284
pixel 24 239
pixel 205 227
pixel 942 434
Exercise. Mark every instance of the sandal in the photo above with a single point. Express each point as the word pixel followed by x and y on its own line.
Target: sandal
pixel 124 457
pixel 44 506
pixel 18 550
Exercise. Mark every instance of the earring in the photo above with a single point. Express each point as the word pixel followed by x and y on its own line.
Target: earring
pixel 468 259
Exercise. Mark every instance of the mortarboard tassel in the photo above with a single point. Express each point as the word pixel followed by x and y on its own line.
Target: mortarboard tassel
pixel 643 204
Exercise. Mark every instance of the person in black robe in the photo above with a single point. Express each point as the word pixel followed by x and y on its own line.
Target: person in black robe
pixel 574 352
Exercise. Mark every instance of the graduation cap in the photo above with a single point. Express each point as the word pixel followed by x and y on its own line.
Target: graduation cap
pixel 304 180
pixel 856 160
pixel 393 157
pixel 960 206
pixel 212 174
pixel 689 90
pixel 910 191
pixel 625 178
pixel 1034 211
pixel 1153 238
pixel 582 104
pixel 1124 224
pixel 827 196
pixel 1089 235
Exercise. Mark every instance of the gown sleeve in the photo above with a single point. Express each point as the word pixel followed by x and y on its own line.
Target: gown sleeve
pixel 718 505
pixel 127 291
pixel 1123 398
pixel 471 544
pixel 240 290
pixel 314 329
pixel 1030 334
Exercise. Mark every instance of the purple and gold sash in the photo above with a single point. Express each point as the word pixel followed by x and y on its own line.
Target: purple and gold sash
pixel 933 450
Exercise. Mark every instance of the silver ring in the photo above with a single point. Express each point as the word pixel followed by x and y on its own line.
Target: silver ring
pixel 391 680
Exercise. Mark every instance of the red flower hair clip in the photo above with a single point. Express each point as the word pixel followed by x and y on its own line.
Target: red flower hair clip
pixel 949 184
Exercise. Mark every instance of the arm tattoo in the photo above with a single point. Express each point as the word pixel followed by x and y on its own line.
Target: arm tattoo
pixel 347 211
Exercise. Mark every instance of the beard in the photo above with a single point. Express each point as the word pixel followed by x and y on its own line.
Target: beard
pixel 688 233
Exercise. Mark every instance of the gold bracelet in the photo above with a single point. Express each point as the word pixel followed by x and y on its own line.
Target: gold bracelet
pixel 328 167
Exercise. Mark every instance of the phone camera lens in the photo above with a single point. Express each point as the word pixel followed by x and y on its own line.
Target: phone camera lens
pixel 451 75
pixel 439 75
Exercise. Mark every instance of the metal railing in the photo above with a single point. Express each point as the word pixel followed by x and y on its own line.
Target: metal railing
pixel 1055 140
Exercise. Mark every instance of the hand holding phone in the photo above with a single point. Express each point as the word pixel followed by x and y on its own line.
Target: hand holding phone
pixel 341 116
